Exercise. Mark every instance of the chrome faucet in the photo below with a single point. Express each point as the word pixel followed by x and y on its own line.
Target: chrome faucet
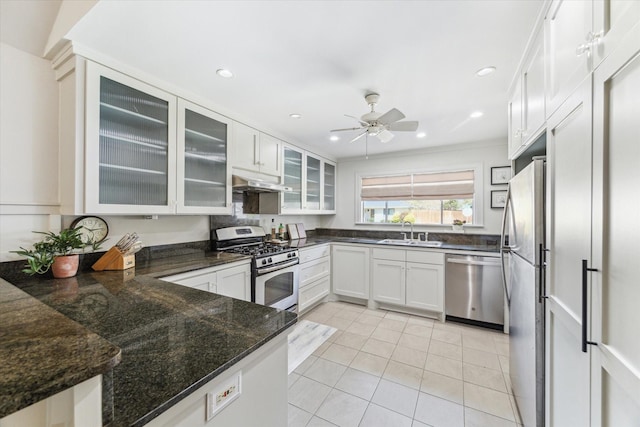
pixel 411 225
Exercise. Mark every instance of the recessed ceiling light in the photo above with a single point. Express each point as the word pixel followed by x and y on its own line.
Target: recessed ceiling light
pixel 334 137
pixel 485 71
pixel 476 114
pixel 421 134
pixel 223 72
pixel 295 116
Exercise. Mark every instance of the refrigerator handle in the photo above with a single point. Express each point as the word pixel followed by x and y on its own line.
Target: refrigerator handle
pixel 585 271
pixel 542 289
pixel 503 247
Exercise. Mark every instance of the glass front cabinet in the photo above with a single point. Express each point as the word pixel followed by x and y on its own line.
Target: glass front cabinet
pixel 149 152
pixel 312 180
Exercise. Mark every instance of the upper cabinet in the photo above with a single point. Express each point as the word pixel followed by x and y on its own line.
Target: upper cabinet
pixel 569 39
pixel 612 20
pixel 203 172
pixel 312 180
pixel 130 148
pixel 526 108
pixel 255 151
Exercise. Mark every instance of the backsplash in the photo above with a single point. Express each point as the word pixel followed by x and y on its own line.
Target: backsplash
pixel 451 238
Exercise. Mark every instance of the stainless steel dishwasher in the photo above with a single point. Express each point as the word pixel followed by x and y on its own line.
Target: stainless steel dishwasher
pixel 473 289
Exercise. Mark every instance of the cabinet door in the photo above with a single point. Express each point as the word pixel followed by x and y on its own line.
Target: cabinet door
pixel 514 119
pixel 130 145
pixel 245 148
pixel 204 281
pixel 204 177
pixel 615 315
pixel 313 184
pixel 293 159
pixel 329 196
pixel 270 155
pixel 235 282
pixel 350 271
pixel 533 91
pixel 612 22
pixel 569 167
pixel 425 286
pixel 389 281
pixel 568 29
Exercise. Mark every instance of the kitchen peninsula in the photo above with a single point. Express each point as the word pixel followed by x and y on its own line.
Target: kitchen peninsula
pixel 177 344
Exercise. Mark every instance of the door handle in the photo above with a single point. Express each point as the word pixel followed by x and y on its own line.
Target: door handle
pixel 585 271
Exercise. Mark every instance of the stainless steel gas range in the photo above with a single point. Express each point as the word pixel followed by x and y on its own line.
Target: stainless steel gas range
pixel 274 267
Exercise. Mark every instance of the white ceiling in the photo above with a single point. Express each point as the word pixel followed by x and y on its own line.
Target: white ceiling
pixel 319 59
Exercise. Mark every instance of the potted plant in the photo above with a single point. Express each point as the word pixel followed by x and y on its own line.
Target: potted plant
pixel 457 224
pixel 55 252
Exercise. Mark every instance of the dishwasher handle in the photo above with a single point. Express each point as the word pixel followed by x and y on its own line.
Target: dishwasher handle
pixel 471 262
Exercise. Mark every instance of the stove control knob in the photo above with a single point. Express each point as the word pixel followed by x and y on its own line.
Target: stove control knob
pixel 264 261
pixel 270 260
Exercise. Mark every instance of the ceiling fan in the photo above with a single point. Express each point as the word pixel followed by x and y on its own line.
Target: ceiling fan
pixel 376 124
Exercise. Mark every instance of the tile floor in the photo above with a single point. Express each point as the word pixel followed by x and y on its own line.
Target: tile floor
pixel 389 369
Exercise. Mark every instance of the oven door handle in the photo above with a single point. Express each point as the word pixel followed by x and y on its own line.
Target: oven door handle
pixel 285 264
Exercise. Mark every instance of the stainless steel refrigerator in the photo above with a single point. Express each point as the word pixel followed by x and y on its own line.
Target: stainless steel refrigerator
pixel 524 222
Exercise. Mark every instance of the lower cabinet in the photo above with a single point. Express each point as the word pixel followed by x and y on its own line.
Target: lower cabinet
pixel 315 276
pixel 231 280
pixel 409 278
pixel 350 271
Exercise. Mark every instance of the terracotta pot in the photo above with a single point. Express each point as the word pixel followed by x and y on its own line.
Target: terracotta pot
pixel 65 266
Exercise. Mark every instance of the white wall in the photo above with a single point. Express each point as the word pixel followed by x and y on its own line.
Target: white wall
pixel 486 153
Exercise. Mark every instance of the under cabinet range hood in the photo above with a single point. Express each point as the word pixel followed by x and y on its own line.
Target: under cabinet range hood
pixel 241 184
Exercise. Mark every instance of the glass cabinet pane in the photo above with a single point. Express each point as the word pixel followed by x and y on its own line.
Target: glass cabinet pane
pixel 293 179
pixel 205 161
pixel 329 187
pixel 133 153
pixel 313 183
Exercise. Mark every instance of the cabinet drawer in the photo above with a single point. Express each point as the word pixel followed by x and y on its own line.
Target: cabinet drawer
pixel 389 254
pixel 313 293
pixel 425 257
pixel 314 270
pixel 310 254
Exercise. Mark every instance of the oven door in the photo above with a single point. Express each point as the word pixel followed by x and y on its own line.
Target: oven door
pixel 278 289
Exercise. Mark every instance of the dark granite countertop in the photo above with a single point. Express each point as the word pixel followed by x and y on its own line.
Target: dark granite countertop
pixel 317 240
pixel 42 352
pixel 173 339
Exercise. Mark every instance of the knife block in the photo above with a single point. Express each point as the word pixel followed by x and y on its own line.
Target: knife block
pixel 113 259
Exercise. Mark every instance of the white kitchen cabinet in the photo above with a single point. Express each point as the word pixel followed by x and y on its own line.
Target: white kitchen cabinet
pixel 312 180
pixel 203 172
pixel 255 151
pixel 614 314
pixel 350 271
pixel 315 276
pixel 526 108
pixel 232 280
pixel 612 21
pixel 130 148
pixel 408 278
pixel 569 168
pixel 569 37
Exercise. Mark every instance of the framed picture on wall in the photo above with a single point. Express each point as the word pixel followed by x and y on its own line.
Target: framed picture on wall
pixel 500 175
pixel 498 199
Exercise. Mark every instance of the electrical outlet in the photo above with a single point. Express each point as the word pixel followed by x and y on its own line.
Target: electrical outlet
pixel 223 395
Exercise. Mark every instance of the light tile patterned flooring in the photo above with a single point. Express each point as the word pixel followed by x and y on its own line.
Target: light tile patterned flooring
pixel 383 368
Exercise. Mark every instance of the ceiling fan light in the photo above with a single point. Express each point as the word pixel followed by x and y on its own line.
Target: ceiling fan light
pixel 421 134
pixel 334 138
pixel 295 116
pixel 476 114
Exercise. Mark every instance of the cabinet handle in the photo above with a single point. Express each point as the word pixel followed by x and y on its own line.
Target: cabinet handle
pixel 592 40
pixel 256 158
pixel 585 269
pixel 517 133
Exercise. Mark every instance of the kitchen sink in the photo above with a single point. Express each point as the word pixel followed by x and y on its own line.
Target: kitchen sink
pixel 407 242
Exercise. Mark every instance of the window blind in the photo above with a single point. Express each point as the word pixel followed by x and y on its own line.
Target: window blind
pixel 419 186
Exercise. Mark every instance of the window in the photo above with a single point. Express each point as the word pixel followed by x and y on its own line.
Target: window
pixel 420 198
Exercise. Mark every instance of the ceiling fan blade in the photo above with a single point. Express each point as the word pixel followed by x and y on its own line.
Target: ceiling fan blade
pixel 385 135
pixel 404 126
pixel 339 130
pixel 391 116
pixel 363 123
pixel 358 137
